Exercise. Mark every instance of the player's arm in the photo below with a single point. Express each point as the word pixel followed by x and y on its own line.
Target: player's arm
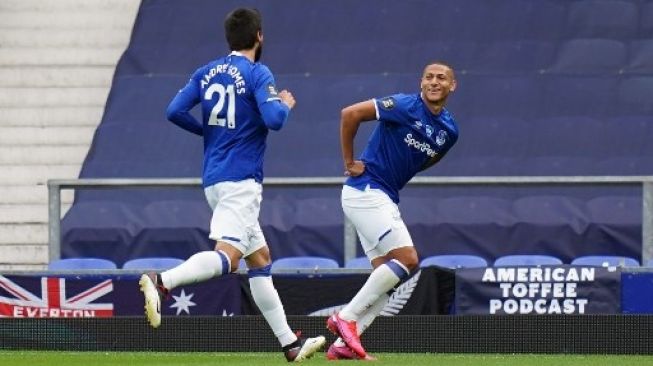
pixel 350 118
pixel 274 106
pixel 275 111
pixel 178 111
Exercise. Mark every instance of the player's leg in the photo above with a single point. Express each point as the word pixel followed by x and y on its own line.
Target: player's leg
pixel 199 267
pixel 227 200
pixel 379 225
pixel 339 349
pixel 382 279
pixel 267 299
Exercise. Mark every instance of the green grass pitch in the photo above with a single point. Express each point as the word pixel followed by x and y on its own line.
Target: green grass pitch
pixel 46 358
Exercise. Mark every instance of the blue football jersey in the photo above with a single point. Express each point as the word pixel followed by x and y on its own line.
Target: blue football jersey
pixel 407 137
pixel 231 91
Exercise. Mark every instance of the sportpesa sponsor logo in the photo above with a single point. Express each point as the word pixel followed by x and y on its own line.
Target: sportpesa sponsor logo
pixel 421 146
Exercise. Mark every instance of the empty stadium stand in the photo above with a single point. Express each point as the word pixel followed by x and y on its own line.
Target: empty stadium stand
pixel 546 87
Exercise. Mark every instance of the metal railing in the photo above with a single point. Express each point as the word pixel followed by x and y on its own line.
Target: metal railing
pixel 350 240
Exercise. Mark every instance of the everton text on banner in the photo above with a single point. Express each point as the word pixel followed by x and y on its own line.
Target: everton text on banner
pixel 48 297
pixel 538 290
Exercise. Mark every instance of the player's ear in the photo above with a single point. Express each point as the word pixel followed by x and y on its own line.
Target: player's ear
pixel 259 36
pixel 454 84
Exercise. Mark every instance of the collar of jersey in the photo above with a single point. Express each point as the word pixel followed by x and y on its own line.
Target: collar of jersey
pixel 236 53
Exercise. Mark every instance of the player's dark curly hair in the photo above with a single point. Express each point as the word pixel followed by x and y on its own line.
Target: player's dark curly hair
pixel 241 28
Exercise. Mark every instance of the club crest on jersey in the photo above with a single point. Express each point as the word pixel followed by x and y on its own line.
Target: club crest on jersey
pixel 388 103
pixel 429 130
pixel 441 138
pixel 272 90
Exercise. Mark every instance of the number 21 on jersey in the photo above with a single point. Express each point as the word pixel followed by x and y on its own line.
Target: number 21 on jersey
pixel 223 93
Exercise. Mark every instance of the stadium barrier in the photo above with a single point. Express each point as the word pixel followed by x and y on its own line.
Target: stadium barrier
pixel 569 334
pixel 350 238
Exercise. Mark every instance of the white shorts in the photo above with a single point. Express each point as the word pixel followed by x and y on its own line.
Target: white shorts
pixel 236 207
pixel 377 220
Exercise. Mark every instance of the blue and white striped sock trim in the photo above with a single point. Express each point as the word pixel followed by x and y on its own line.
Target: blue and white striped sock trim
pixel 226 262
pixel 398 268
pixel 260 272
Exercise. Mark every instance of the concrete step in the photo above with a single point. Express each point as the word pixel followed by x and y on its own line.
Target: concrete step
pixel 36 174
pixel 41 154
pixel 23 214
pixel 33 213
pixel 50 136
pixel 31 194
pixel 72 5
pixel 64 19
pixel 23 234
pixel 51 116
pixel 53 97
pixel 56 76
pixel 24 254
pixel 62 38
pixel 63 56
pixel 23 266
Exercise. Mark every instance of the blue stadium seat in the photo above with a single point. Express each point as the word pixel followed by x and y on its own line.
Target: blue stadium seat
pixel 81 263
pixel 635 131
pixel 513 56
pixel 571 95
pixel 605 261
pixel 559 165
pixel 634 95
pixel 157 263
pixel 616 210
pixel 551 210
pixel 475 209
pixel 646 20
pixel 490 93
pixel 526 260
pixel 626 165
pixel 454 261
pixel 590 56
pixel 309 262
pixel 358 262
pixel 640 58
pixel 607 18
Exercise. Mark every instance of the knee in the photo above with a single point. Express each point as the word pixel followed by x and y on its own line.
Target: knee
pixel 409 259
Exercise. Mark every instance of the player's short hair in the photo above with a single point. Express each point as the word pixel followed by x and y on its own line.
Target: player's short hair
pixel 241 28
pixel 440 62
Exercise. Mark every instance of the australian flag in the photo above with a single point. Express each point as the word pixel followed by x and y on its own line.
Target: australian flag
pixel 50 297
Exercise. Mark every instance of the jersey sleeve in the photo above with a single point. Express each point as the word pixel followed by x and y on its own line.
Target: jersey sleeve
pixel 391 109
pixel 178 111
pixel 265 89
pixel 273 111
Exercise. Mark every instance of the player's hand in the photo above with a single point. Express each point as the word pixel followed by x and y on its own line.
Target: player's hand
pixel 287 98
pixel 355 168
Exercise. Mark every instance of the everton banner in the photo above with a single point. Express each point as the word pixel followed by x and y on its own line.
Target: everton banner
pixel 428 291
pixel 106 296
pixel 538 290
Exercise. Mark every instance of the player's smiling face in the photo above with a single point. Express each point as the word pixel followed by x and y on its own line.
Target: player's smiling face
pixel 437 82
